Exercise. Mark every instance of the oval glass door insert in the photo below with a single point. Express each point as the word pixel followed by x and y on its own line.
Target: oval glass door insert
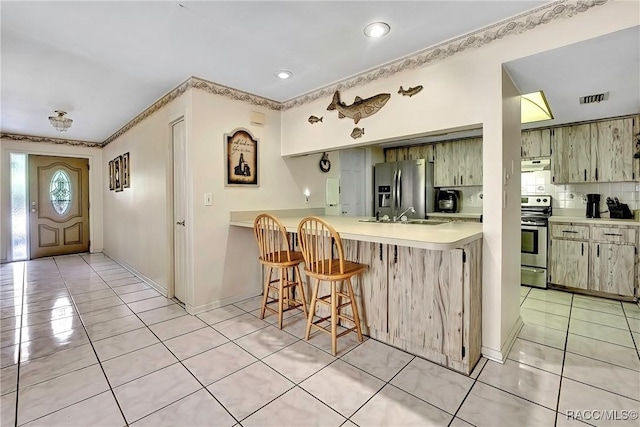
pixel 60 192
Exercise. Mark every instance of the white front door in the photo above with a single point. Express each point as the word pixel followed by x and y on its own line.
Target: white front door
pixel 352 185
pixel 179 212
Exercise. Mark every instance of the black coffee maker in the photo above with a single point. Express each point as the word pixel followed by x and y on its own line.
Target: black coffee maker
pixel 593 206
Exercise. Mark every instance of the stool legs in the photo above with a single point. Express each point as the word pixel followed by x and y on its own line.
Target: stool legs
pixel 265 296
pixel 354 308
pixel 312 309
pixel 335 304
pixel 285 290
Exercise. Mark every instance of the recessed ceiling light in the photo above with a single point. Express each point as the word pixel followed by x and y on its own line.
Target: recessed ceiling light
pixel 534 107
pixel 283 74
pixel 377 29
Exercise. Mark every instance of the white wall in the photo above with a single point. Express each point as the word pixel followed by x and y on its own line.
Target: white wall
pixel 95 186
pixel 465 90
pixel 225 264
pixel 137 220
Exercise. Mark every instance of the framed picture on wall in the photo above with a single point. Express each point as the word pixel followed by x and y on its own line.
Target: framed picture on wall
pixel 117 173
pixel 126 176
pixel 112 182
pixel 241 159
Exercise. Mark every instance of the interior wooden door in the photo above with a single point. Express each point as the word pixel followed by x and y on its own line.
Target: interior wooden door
pixel 58 205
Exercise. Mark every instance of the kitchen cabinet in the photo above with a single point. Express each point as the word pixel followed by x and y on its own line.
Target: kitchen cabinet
pixel 612 268
pixel 569 263
pixel 613 259
pixel 458 163
pixel 594 152
pixel 571 154
pixel 535 143
pixel 612 151
pixel 636 148
pixel 413 152
pixel 595 258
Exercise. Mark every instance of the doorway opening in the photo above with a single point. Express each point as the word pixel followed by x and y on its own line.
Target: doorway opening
pixel 49 206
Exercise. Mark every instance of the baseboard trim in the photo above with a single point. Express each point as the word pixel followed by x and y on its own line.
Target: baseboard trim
pixel 501 356
pixel 144 278
pixel 219 303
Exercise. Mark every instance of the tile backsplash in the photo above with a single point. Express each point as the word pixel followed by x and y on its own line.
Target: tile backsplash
pixel 564 196
pixel 571 196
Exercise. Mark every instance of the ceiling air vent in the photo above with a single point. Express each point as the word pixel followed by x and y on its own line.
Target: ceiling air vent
pixel 590 99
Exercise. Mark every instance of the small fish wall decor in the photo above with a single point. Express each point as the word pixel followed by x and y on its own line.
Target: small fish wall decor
pixel 411 91
pixel 360 108
pixel 357 133
pixel 314 119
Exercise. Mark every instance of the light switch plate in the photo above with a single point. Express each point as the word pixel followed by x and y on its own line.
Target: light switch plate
pixel 208 199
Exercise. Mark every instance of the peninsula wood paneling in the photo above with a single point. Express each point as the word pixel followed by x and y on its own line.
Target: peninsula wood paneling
pixel 370 288
pixel 426 308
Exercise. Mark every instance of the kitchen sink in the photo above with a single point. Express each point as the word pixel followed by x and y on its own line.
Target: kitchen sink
pixel 426 221
pixel 411 221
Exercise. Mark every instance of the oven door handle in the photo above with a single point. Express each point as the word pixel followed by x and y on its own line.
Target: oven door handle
pixel 532 227
pixel 533 270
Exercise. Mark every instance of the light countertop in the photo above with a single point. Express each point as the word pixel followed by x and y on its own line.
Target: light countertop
pixel 597 221
pixel 449 235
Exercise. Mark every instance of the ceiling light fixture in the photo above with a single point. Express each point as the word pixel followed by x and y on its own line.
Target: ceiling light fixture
pixel 534 107
pixel 60 122
pixel 283 74
pixel 377 29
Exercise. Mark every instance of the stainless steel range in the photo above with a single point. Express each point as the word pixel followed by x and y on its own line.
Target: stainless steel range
pixel 535 213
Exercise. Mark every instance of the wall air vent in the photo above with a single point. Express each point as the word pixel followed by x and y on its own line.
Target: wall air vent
pixel 590 99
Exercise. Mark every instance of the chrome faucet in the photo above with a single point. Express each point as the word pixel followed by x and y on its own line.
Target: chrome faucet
pixel 399 217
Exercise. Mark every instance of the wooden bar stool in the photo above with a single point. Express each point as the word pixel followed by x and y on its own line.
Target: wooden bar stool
pixel 275 253
pixel 317 239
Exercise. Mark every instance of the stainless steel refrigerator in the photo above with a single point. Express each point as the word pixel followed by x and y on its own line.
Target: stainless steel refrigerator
pixel 401 185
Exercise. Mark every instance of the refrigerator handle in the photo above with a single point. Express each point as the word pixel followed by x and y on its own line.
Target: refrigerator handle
pixel 399 190
pixel 394 193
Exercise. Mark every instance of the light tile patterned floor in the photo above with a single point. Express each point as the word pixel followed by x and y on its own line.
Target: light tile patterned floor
pixel 84 342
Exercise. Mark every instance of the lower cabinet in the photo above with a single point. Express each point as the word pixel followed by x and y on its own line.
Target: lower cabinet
pixel 569 263
pixel 595 258
pixel 612 268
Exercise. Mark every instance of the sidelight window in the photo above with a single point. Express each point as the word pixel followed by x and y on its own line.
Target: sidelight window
pixel 60 192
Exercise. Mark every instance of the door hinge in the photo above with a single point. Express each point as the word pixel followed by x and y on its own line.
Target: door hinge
pixel 464 256
pixel 463 351
pixel 89 243
pixel 88 166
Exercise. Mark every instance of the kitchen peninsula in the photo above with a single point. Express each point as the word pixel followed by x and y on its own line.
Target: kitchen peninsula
pixel 422 291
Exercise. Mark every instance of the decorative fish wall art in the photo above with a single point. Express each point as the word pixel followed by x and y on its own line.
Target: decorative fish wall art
pixel 360 108
pixel 357 133
pixel 411 91
pixel 314 119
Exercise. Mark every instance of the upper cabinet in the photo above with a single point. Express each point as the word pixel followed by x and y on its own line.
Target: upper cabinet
pixel 571 154
pixel 612 151
pixel 593 152
pixel 458 163
pixel 535 143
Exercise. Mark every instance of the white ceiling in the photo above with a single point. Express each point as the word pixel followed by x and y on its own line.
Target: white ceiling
pixel 610 63
pixel 104 62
